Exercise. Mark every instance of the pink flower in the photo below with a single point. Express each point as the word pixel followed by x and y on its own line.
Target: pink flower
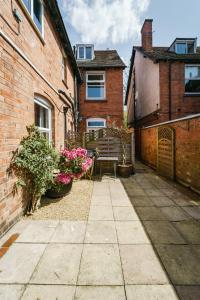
pixel 69 154
pixel 81 152
pixel 63 178
pixel 86 164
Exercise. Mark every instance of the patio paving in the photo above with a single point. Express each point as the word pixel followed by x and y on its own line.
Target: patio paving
pixel 138 244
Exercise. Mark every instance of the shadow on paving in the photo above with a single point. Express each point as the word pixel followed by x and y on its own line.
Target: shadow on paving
pixel 170 215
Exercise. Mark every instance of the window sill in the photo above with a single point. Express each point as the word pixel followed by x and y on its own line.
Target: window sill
pixel 192 95
pixel 96 100
pixel 65 83
pixel 32 22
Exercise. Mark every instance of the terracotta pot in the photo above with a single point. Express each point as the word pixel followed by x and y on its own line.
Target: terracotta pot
pixel 125 170
pixel 54 193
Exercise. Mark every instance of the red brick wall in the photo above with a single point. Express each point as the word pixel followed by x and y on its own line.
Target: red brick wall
pixel 19 83
pixel 111 108
pixel 187 150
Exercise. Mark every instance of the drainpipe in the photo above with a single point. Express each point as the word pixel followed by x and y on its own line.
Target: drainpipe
pixel 170 89
pixel 65 110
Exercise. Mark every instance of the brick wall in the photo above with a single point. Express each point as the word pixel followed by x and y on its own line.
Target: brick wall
pixel 187 150
pixel 112 107
pixel 19 84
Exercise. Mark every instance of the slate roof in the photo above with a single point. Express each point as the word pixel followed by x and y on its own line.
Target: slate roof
pixel 103 59
pixel 163 53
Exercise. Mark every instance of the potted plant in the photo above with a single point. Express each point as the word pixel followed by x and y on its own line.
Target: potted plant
pixel 124 169
pixel 73 164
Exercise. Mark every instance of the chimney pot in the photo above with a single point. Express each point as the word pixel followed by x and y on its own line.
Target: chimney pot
pixel 147 35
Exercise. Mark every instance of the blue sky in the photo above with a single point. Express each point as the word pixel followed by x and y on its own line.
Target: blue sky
pixel 115 24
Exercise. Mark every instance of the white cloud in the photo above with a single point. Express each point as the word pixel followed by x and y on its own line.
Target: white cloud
pixel 101 21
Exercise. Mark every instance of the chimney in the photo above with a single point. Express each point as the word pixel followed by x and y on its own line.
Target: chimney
pixel 146 33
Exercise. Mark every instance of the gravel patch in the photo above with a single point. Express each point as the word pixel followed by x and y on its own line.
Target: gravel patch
pixel 74 206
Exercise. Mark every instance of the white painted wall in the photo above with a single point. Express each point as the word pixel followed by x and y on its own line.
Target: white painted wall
pixel 147 89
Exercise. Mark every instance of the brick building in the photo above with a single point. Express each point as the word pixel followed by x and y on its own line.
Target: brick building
pixel 101 94
pixel 164 82
pixel 38 79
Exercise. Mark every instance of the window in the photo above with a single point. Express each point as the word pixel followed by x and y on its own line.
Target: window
pixel 64 70
pixel 95 124
pixel 192 79
pixel 186 47
pixel 35 9
pixel 95 86
pixel 43 117
pixel 85 52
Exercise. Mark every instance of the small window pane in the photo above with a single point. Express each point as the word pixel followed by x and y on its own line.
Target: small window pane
pixel 37 14
pixel 96 124
pixel 27 3
pixel 81 52
pixel 192 72
pixel 88 52
pixel 181 48
pixel 95 77
pixel 41 116
pixel 96 91
pixel 190 48
pixel 192 86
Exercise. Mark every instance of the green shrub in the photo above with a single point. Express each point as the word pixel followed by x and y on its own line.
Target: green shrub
pixel 34 162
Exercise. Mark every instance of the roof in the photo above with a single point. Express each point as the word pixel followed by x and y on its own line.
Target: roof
pixel 62 33
pixel 161 54
pixel 103 59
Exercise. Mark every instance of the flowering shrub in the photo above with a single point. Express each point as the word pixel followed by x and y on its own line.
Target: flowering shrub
pixel 73 165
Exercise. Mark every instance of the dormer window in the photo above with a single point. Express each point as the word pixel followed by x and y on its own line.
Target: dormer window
pixel 185 47
pixel 85 52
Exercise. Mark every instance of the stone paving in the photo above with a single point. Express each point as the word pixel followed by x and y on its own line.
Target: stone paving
pixel 145 246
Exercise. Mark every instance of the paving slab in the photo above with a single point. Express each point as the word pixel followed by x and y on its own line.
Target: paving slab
pixel 100 265
pixel 181 263
pixel 18 264
pixel 121 202
pixel 162 201
pixel 190 230
pixel 131 233
pixel 124 213
pixel 136 192
pixel 58 265
pixel 101 200
pixel 69 232
pixel 163 232
pixel 101 213
pixel 141 265
pixel 18 228
pixel 38 232
pixel 150 292
pixel 11 292
pixel 100 293
pixel 188 292
pixel 150 213
pixel 175 213
pixel 101 232
pixel 184 201
pixel 141 201
pixel 153 192
pixel 193 211
pixel 50 292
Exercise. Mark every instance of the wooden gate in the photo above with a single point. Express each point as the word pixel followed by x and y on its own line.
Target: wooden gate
pixel 165 152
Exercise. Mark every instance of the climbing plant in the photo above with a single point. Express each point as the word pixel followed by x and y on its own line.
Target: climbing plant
pixel 33 163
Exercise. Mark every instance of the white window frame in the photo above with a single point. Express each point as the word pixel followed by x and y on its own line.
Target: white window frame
pixel 84 51
pixel 101 81
pixel 95 120
pixel 198 78
pixel 186 43
pixel 32 16
pixel 46 105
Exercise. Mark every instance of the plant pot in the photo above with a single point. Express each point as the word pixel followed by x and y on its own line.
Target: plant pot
pixel 63 191
pixel 125 170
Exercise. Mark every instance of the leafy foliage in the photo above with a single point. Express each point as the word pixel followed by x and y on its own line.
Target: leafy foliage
pixel 34 162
